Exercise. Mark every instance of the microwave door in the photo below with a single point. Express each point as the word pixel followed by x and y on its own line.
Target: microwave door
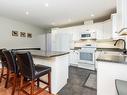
pixel 85 36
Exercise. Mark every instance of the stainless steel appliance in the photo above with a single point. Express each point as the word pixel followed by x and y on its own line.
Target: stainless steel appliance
pixel 87 57
pixel 88 34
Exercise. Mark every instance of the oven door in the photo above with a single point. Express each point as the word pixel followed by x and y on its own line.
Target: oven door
pixel 87 57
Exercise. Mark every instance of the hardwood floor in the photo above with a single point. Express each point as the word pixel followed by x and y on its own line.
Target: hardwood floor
pixel 4 91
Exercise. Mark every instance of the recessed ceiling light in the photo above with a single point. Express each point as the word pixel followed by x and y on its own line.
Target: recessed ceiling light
pixel 69 20
pixel 46 4
pixel 92 15
pixel 53 23
pixel 27 13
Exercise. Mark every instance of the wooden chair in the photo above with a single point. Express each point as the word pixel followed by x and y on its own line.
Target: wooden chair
pixel 32 73
pixel 4 69
pixel 13 69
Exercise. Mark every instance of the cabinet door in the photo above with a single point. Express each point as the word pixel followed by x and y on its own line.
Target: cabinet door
pixel 107 29
pixel 124 13
pixel 115 34
pixel 74 57
pixel 76 34
pixel 71 57
pixel 121 14
pixel 99 30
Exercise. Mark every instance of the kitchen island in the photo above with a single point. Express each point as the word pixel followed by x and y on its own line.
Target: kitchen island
pixel 58 61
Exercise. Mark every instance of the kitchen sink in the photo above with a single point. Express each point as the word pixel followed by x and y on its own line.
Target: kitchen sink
pixel 114 53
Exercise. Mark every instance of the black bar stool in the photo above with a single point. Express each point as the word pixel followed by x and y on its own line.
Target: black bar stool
pixel 13 69
pixel 32 73
pixel 4 67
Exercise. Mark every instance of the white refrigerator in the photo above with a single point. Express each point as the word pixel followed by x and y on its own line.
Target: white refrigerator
pixel 55 42
pixel 45 41
pixel 61 42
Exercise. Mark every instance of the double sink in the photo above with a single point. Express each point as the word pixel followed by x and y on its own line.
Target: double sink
pixel 115 53
pixel 112 55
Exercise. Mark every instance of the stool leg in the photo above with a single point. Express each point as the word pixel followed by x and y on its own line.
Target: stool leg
pixel 38 82
pixel 14 84
pixel 32 87
pixel 49 82
pixel 21 84
pixel 2 72
pixel 7 80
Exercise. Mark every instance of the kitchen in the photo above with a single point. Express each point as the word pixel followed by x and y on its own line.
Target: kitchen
pixel 87 57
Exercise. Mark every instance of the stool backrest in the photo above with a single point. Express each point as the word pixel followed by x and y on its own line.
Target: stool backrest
pixel 2 58
pixel 26 64
pixel 2 55
pixel 11 61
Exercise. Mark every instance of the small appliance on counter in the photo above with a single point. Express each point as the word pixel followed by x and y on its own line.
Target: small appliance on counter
pixel 87 57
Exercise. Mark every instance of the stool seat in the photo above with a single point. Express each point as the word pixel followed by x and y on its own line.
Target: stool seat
pixel 41 70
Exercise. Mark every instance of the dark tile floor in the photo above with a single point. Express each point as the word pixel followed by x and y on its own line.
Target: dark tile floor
pixel 77 77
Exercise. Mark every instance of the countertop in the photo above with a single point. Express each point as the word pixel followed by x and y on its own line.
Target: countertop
pixel 101 49
pixel 109 49
pixel 44 54
pixel 122 59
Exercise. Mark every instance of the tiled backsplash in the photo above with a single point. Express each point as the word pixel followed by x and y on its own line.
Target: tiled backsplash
pixel 102 44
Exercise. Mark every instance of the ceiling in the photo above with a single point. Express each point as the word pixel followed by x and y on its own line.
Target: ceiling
pixel 50 13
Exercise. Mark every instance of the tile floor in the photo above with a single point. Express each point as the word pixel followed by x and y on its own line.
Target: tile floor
pixel 77 77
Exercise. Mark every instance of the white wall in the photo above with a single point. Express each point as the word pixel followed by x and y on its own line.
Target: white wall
pixel 8 41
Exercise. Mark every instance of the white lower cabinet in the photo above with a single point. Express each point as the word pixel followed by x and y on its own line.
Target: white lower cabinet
pixel 97 54
pixel 107 73
pixel 74 57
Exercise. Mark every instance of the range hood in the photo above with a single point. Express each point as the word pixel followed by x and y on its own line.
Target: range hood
pixel 123 31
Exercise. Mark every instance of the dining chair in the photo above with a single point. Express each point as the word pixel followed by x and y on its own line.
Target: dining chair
pixel 13 69
pixel 4 67
pixel 33 73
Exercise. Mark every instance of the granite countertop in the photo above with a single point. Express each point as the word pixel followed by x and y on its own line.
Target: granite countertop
pixel 44 54
pixel 109 49
pixel 101 49
pixel 122 59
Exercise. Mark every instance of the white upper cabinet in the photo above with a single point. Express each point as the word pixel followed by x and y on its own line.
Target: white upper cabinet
pixel 115 34
pixel 75 33
pixel 107 29
pixel 103 30
pixel 121 14
pixel 98 27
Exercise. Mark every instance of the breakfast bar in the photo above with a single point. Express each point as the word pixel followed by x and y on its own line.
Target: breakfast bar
pixel 58 61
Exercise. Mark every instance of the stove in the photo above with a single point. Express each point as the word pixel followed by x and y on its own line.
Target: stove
pixel 87 57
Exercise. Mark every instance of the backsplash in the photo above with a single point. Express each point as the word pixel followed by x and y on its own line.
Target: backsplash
pixel 101 44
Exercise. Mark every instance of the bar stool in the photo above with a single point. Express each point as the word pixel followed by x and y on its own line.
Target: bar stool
pixel 4 67
pixel 13 68
pixel 32 73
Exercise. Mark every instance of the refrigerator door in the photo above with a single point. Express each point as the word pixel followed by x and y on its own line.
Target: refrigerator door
pixel 45 40
pixel 61 42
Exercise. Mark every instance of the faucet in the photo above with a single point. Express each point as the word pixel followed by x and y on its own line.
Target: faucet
pixel 124 49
